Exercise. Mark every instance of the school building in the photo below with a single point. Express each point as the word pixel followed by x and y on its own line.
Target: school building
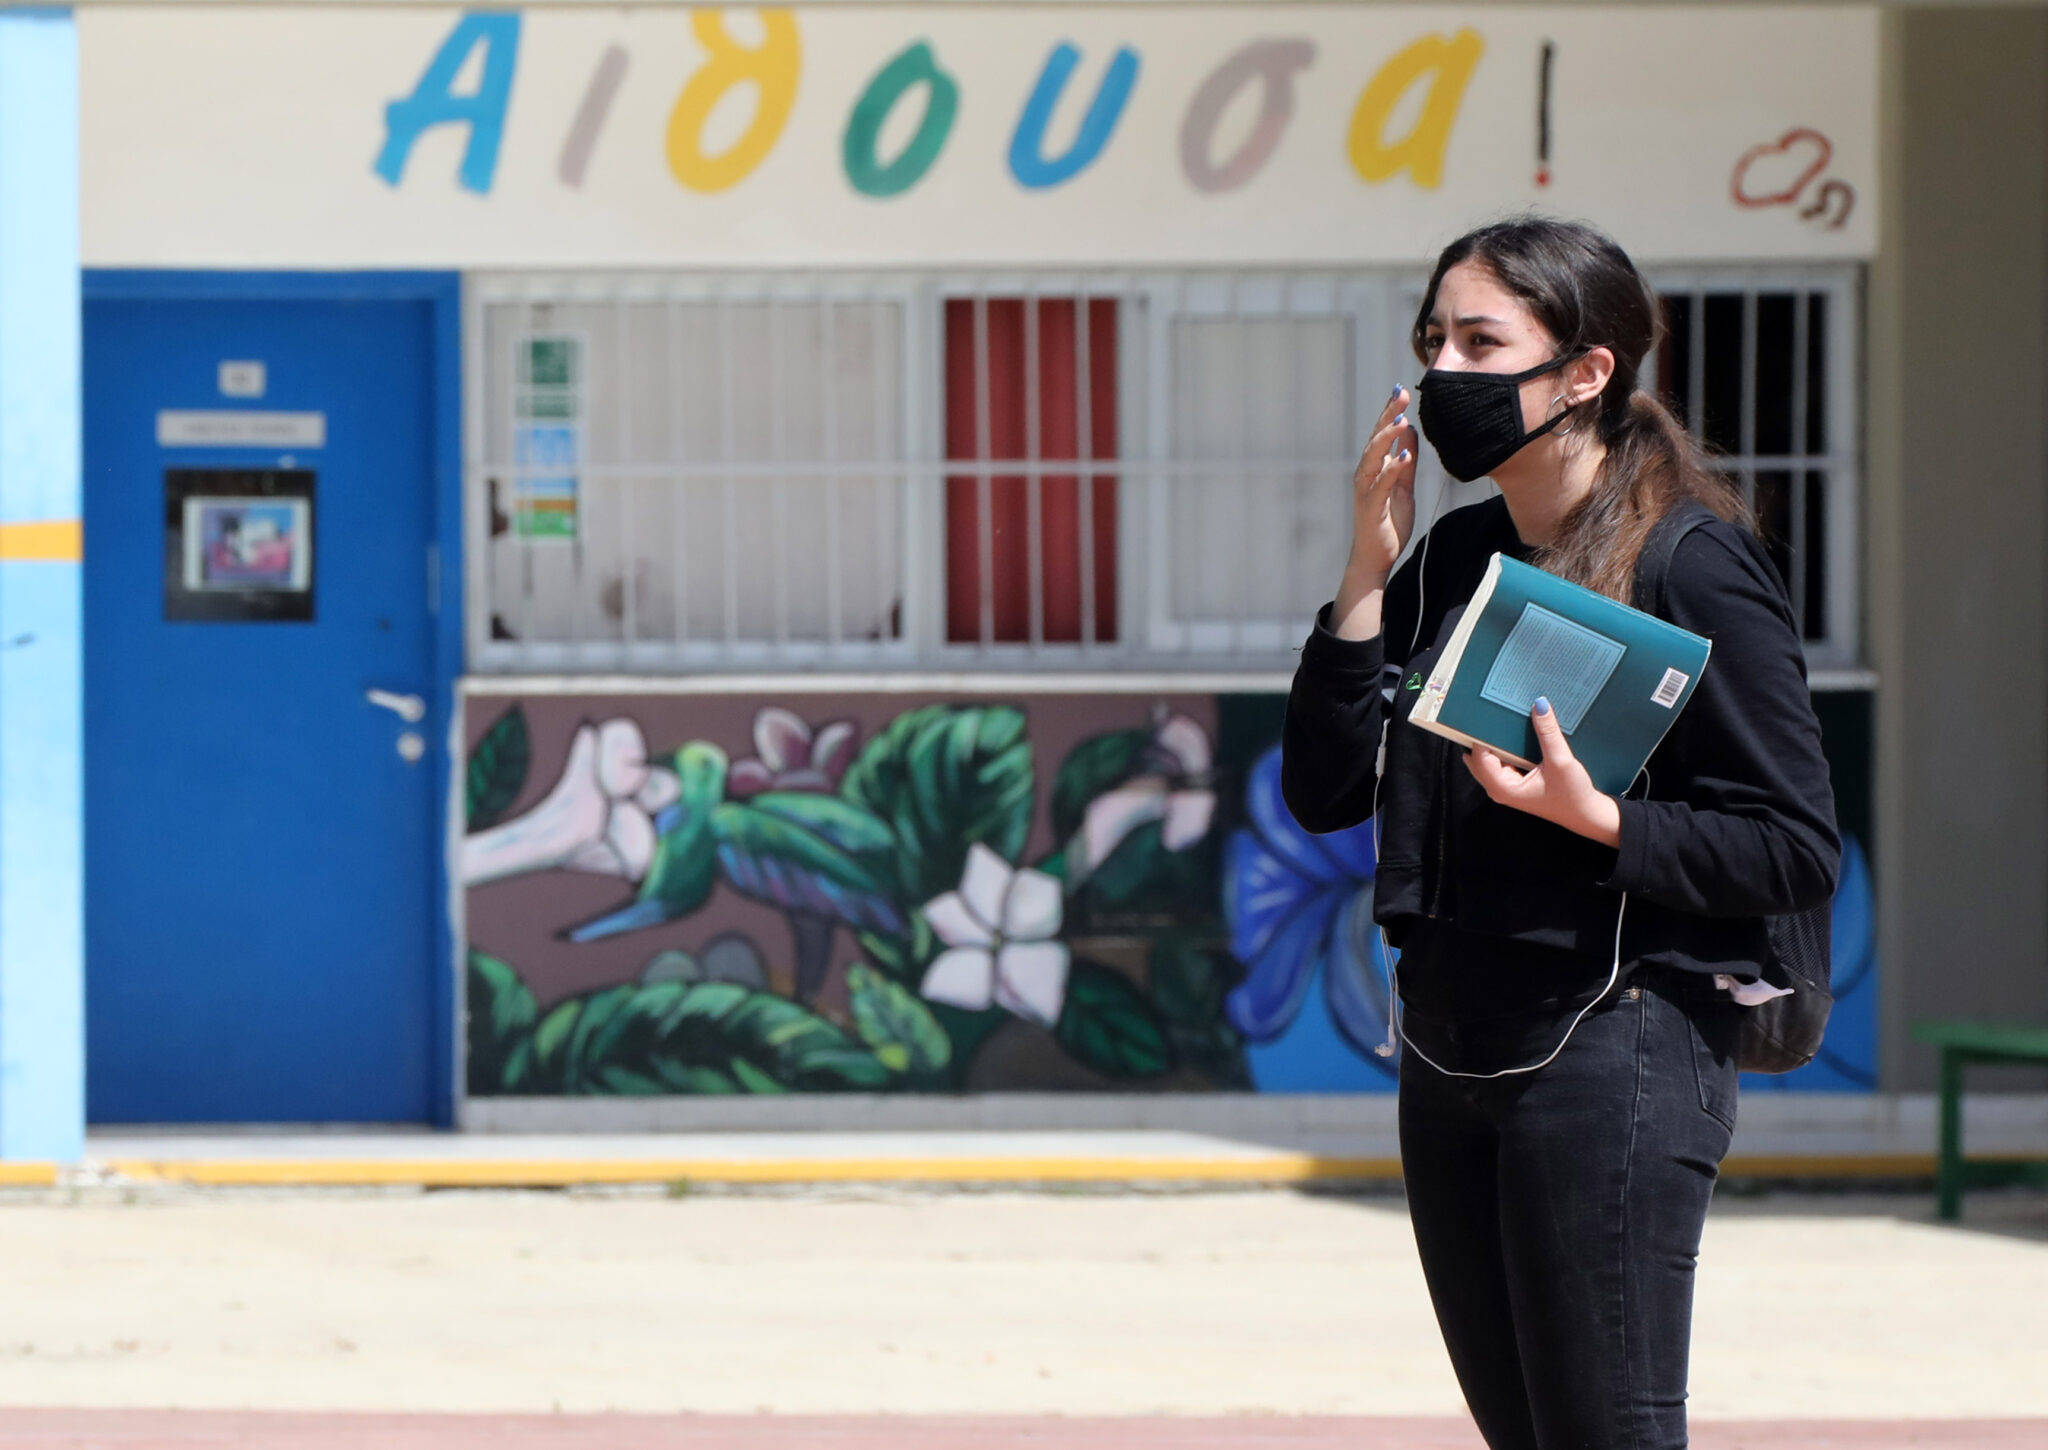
pixel 575 565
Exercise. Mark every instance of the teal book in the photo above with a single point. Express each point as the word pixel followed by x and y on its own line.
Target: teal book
pixel 1616 677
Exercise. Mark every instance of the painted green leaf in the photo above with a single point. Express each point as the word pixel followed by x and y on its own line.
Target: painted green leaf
pixel 520 1075
pixel 684 1078
pixel 675 1031
pixel 657 1037
pixel 626 1083
pixel 1099 763
pixel 549 1038
pixel 1143 882
pixel 904 956
pixel 942 778
pixel 607 1017
pixel 752 1079
pixel 1137 862
pixel 500 1029
pixel 789 1042
pixel 1189 980
pixel 1109 1025
pixel 896 1024
pixel 497 769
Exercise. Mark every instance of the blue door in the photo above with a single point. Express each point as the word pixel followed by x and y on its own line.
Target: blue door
pixel 260 822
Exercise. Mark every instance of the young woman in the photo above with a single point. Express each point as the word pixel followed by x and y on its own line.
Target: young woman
pixel 1566 957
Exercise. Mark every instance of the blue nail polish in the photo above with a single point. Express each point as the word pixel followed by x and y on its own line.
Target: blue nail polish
pixel 1397 391
pixel 1542 705
pixel 1401 421
pixel 1406 455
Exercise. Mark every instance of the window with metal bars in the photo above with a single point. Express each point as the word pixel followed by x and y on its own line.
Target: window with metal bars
pixel 1102 472
pixel 1760 368
pixel 1031 528
pixel 688 475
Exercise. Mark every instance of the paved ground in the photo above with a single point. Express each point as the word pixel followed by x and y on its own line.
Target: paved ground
pixel 185 1430
pixel 857 1302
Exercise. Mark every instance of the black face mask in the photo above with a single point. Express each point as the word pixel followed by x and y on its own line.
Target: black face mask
pixel 1474 420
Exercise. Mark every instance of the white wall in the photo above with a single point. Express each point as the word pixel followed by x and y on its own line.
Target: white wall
pixel 247 136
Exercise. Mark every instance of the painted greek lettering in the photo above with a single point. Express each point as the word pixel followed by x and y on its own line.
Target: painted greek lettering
pixel 434 102
pixel 772 67
pixel 1446 63
pixel 581 142
pixel 1028 162
pixel 1270 63
pixel 864 168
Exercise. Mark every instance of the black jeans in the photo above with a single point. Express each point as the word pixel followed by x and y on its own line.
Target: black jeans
pixel 1559 1212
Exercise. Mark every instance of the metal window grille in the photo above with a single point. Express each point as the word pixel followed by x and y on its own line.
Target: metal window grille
pixel 1260 393
pixel 681 474
pixel 690 473
pixel 1760 364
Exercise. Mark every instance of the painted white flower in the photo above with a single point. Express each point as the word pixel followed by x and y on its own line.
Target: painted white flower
pixel 998 929
pixel 1174 792
pixel 598 818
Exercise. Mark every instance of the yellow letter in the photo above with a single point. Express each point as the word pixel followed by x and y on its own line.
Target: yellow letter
pixel 773 70
pixel 1421 151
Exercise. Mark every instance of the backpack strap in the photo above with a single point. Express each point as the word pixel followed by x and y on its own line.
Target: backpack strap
pixel 1653 566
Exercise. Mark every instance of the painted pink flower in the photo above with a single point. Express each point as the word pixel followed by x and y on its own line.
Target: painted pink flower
pixel 1175 788
pixel 790 756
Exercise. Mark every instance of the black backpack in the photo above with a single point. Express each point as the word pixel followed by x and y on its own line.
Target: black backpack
pixel 1785 1032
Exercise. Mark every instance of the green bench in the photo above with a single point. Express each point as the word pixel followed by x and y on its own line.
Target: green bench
pixel 1973 1044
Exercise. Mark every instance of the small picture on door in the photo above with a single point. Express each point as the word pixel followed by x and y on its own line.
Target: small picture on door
pixel 248 543
pixel 239 545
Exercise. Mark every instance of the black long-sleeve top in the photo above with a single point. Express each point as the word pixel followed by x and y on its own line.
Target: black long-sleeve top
pixel 1735 822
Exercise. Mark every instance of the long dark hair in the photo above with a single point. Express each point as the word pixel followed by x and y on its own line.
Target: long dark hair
pixel 1586 292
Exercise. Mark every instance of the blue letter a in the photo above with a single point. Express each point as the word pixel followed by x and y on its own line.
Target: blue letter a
pixel 1028 162
pixel 434 103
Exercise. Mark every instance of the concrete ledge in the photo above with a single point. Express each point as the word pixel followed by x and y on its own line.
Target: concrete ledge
pixel 1770 1121
pixel 1245 1140
pixel 1232 1115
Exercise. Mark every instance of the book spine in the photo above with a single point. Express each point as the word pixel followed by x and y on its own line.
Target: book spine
pixel 1439 685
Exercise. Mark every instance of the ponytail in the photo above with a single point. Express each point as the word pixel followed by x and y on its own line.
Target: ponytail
pixel 1653 464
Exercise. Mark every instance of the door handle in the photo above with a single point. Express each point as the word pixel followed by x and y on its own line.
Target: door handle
pixel 409 708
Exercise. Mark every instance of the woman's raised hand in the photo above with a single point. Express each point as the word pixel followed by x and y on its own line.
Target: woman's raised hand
pixel 1382 517
pixel 1383 492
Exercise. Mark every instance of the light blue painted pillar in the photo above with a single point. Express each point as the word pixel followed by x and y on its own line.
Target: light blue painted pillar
pixel 42 957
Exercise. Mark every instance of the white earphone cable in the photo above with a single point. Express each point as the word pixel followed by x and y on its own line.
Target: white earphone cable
pixel 1396 1033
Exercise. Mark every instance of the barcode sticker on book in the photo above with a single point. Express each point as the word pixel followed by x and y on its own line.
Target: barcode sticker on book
pixel 1669 689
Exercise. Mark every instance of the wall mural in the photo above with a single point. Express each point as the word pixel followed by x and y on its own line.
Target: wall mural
pixel 712 894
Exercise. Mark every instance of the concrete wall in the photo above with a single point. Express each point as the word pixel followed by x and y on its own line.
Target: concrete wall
pixel 1958 523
